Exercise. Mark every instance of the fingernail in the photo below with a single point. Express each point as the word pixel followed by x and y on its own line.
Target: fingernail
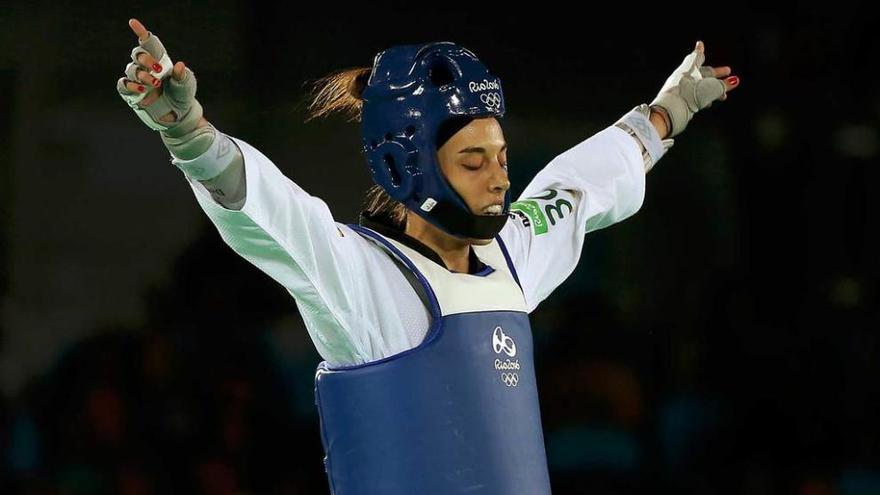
pixel 157 67
pixel 157 83
pixel 732 80
pixel 141 89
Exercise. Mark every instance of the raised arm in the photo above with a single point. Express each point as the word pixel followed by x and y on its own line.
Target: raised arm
pixel 601 181
pixel 260 213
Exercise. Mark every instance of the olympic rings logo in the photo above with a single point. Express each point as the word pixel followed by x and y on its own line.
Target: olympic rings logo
pixel 501 342
pixel 510 379
pixel 491 100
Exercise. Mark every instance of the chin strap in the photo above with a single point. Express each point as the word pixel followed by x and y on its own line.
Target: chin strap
pixel 462 224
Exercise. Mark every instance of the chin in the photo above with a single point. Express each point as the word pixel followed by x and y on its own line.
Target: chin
pixel 480 242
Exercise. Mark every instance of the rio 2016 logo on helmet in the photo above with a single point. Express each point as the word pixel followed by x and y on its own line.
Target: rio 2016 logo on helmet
pixel 412 90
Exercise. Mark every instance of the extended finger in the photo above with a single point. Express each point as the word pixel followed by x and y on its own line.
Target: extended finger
pixel 138 29
pixel 151 44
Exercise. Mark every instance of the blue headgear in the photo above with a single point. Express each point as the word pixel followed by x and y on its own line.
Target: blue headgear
pixel 412 91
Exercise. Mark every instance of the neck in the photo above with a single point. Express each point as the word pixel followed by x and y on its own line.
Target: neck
pixel 454 251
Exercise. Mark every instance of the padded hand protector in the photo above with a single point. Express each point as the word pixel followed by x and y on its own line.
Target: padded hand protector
pixel 691 88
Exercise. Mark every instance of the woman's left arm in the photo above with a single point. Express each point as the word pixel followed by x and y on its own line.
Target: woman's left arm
pixel 598 182
pixel 601 181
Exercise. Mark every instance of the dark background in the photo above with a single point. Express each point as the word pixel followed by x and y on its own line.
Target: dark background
pixel 722 340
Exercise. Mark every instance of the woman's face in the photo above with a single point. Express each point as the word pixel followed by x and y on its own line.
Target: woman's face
pixel 474 161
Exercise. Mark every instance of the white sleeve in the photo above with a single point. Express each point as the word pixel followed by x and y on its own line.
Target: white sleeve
pixel 292 237
pixel 597 183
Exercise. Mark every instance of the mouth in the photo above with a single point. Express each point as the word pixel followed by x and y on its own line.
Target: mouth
pixel 496 209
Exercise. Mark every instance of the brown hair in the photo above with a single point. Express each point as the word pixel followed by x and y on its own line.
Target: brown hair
pixel 341 93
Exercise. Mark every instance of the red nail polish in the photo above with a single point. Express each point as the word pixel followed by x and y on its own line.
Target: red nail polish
pixel 141 89
pixel 157 67
pixel 157 83
pixel 733 80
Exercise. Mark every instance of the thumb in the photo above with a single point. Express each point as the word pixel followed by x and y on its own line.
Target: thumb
pixel 181 87
pixel 179 71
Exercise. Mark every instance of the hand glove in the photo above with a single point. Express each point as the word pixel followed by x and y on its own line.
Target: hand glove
pixel 183 138
pixel 691 88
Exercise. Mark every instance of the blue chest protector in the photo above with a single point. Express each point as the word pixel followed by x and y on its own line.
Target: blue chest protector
pixel 459 413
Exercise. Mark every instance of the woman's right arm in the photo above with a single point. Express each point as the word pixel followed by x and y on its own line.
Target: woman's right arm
pixel 291 236
pixel 285 232
pixel 355 301
pixel 229 188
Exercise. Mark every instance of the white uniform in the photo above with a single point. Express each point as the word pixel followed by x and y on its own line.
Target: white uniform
pixel 357 303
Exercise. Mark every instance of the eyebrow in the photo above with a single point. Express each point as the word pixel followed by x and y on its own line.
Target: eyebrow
pixel 477 149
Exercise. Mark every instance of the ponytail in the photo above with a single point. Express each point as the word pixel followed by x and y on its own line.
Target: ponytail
pixel 342 93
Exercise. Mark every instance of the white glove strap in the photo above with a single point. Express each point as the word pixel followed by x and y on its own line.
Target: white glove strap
pixel 638 124
pixel 167 67
pixel 210 163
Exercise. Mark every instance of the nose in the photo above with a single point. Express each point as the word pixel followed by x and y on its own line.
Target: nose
pixel 499 180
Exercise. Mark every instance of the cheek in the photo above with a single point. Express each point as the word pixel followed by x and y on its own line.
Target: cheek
pixel 467 184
